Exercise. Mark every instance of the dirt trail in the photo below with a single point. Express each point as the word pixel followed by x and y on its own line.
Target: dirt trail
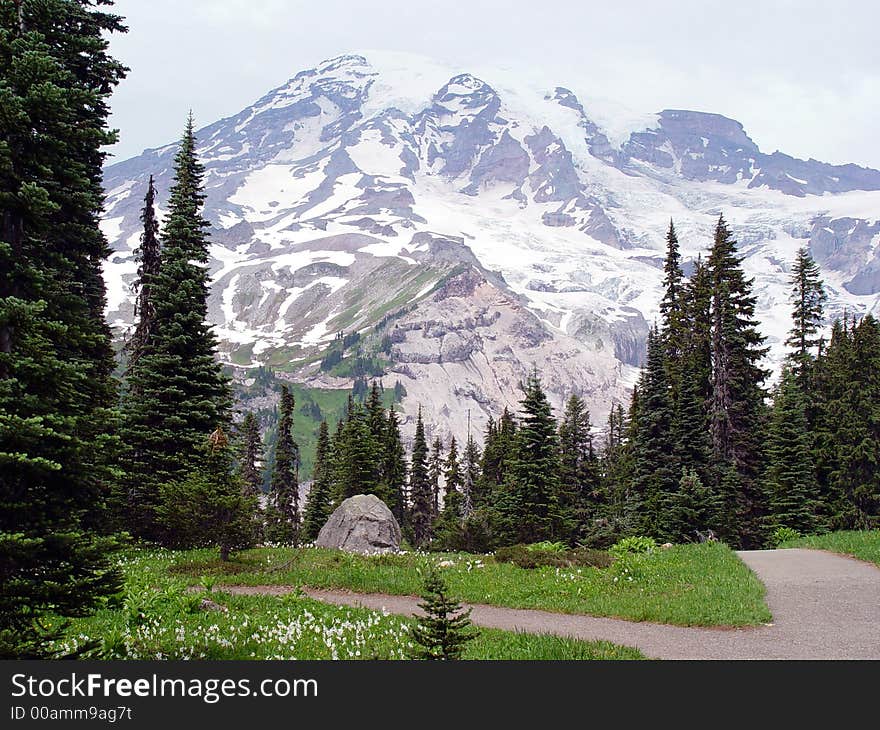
pixel 824 606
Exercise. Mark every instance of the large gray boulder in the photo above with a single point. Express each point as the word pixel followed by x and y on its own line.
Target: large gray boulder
pixel 361 524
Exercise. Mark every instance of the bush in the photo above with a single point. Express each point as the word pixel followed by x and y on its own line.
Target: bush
pixel 526 556
pixel 633 546
pixel 783 534
pixel 547 546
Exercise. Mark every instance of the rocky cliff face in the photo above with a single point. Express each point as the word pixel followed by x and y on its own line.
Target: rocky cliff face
pixel 471 228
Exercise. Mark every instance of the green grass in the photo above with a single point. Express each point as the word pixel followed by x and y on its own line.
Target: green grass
pixel 496 644
pixel 861 544
pixel 160 619
pixel 689 585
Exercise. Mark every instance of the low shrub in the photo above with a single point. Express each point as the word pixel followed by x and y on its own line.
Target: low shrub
pixel 547 546
pixel 783 534
pixel 633 546
pixel 590 558
pixel 527 556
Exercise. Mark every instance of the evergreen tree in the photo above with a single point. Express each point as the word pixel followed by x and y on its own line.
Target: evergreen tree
pixel 447 528
pixel 211 505
pixel 495 495
pixel 318 503
pixel 790 478
pixel 394 468
pixel 848 440
pixel 445 628
pixel 55 355
pixel 673 275
pixel 615 484
pixel 435 471
pixel 177 391
pixel 692 392
pixel 283 517
pixel 655 471
pixel 148 257
pixel 376 413
pixel 251 455
pixel 737 412
pixel 691 509
pixel 337 493
pixel 498 450
pixel 675 329
pixel 807 297
pixel 378 424
pixel 470 476
pixel 535 469
pixel 457 501
pixel 696 353
pixel 452 470
pixel 629 501
pixel 578 474
pixel 691 444
pixel 421 509
pixel 358 456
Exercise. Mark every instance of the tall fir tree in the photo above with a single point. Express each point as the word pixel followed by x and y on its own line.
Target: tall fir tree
pixel 696 353
pixel 176 390
pixel 848 438
pixel 447 527
pixel 421 508
pixel 737 413
pixel 673 275
pixel 498 451
pixel 337 464
pixel 535 469
pixel 790 477
pixel 614 469
pixel 807 297
pixel 692 395
pixel 578 476
pixel 655 470
pixel 629 501
pixel 319 500
pixel 394 469
pixel 378 424
pixel 283 517
pixel 675 330
pixel 435 473
pixel 452 469
pixel 148 258
pixel 251 455
pixel 56 392
pixel 470 476
pixel 359 457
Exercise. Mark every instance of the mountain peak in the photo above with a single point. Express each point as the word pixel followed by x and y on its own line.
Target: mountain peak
pixel 346 60
pixel 348 199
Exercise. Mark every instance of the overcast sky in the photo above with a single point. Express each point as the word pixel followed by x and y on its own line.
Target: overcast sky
pixel 803 76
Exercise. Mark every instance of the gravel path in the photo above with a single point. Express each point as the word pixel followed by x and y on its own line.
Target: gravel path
pixel 825 606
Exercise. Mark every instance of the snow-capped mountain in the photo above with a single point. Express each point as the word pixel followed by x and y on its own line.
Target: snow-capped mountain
pixel 472 227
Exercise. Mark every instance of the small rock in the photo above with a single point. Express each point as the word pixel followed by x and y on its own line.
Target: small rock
pixel 208 605
pixel 666 545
